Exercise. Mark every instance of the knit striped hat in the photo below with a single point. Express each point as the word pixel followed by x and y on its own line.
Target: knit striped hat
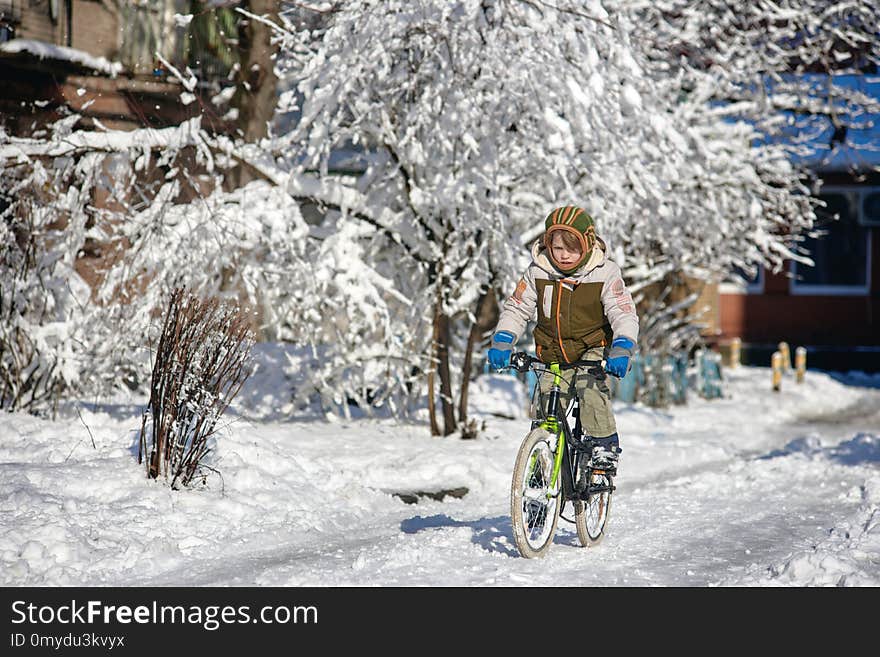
pixel 574 220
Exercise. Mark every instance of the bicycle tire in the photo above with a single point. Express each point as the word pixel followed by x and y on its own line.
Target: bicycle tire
pixel 534 514
pixel 591 517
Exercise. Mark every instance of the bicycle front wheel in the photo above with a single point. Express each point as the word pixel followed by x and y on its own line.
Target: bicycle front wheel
pixel 534 505
pixel 591 516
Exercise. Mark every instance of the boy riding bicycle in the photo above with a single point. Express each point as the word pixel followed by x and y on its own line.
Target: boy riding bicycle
pixel 584 312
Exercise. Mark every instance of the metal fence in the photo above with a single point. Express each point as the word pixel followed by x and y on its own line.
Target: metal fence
pixel 660 380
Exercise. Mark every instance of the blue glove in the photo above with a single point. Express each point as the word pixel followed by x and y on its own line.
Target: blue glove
pixel 617 362
pixel 499 354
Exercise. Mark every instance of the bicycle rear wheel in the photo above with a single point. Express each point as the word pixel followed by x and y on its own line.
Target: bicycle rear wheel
pixel 591 517
pixel 534 508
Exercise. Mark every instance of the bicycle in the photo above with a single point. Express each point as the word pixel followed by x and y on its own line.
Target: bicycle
pixel 553 467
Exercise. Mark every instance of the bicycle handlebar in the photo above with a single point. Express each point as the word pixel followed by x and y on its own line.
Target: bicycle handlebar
pixel 521 362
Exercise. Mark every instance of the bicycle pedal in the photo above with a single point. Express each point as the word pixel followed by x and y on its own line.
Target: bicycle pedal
pixel 581 445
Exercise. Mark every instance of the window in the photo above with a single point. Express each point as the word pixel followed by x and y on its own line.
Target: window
pixel 871 209
pixel 10 17
pixel 841 255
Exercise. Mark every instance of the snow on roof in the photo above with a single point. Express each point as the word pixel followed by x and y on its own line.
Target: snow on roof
pixel 860 149
pixel 45 50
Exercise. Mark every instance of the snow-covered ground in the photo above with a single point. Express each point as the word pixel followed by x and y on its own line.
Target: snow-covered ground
pixel 758 488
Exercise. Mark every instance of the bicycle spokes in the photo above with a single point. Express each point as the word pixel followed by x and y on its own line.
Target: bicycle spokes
pixel 535 500
pixel 535 496
pixel 591 514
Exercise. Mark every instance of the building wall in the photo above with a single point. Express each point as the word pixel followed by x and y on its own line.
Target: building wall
pixel 35 22
pixel 814 320
pixel 828 320
pixel 100 28
pixel 95 29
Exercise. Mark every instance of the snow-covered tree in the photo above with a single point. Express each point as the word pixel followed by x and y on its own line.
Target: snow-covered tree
pixel 475 118
pixel 41 294
pixel 127 196
pixel 430 139
pixel 779 82
pixel 60 334
pixel 795 69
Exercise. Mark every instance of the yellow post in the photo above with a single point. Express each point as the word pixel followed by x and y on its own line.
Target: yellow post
pixel 800 363
pixel 786 356
pixel 776 366
pixel 735 349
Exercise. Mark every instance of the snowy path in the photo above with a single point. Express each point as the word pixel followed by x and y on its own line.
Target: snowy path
pixel 756 489
pixel 705 527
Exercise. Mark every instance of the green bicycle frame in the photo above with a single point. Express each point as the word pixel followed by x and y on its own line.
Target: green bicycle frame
pixel 551 424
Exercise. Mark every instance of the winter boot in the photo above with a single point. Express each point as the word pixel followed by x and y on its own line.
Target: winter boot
pixel 605 454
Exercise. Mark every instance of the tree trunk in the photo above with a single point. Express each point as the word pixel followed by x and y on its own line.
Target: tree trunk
pixel 486 317
pixel 432 409
pixel 255 97
pixel 257 94
pixel 443 337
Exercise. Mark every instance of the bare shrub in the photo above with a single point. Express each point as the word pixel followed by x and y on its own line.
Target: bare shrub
pixel 200 365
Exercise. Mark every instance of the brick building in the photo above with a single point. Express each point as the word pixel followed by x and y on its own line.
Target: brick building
pixel 98 59
pixel 832 308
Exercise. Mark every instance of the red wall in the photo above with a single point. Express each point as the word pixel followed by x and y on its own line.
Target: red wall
pixel 817 320
pixel 776 315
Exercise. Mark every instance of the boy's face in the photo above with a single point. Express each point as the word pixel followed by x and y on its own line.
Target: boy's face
pixel 563 254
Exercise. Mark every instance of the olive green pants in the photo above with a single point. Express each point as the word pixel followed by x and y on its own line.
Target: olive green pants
pixel 597 417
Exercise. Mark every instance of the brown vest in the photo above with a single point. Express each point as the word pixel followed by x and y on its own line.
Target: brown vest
pixel 570 320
